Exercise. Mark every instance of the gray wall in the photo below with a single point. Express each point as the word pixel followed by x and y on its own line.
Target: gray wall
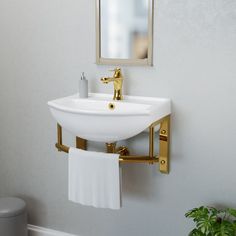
pixel 44 45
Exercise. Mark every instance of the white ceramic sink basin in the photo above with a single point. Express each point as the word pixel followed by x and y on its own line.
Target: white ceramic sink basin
pixel 93 119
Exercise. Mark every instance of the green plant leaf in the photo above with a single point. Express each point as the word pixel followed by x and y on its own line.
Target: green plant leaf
pixel 205 224
pixel 196 232
pixel 213 211
pixel 212 222
pixel 196 213
pixel 192 213
pixel 234 225
pixel 225 228
pixel 232 212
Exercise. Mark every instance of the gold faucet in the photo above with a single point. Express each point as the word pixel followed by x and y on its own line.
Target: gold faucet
pixel 117 80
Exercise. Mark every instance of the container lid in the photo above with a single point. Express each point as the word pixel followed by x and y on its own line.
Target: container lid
pixel 11 207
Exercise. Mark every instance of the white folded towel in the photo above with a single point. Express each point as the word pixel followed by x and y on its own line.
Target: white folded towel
pixel 94 179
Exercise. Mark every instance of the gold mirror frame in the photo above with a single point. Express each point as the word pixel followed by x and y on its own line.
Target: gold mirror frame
pixel 134 62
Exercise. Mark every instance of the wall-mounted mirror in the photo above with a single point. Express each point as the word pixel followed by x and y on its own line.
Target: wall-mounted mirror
pixel 124 32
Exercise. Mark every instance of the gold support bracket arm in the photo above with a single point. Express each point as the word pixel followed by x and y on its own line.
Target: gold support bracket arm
pixel 164 143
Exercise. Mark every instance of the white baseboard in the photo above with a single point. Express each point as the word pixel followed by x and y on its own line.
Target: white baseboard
pixel 40 231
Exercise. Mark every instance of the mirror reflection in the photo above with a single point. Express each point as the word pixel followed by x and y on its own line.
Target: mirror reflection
pixel 124 29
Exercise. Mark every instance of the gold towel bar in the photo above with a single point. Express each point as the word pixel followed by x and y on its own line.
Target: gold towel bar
pixel 162 158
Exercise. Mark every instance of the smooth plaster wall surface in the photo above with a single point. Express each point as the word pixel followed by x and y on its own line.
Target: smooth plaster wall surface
pixel 45 45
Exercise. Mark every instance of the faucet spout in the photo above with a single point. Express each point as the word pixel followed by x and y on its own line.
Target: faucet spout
pixel 107 80
pixel 117 80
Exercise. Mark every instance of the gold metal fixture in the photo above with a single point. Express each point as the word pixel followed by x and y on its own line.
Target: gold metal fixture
pixel 111 106
pixel 117 80
pixel 122 150
pixel 79 142
pixel 164 143
pixel 111 147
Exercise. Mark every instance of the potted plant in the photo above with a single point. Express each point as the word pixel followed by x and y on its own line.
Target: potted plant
pixel 213 222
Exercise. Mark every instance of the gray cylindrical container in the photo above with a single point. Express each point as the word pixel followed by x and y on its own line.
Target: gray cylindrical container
pixel 83 87
pixel 13 217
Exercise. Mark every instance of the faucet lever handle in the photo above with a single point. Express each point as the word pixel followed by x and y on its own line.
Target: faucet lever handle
pixel 117 72
pixel 116 69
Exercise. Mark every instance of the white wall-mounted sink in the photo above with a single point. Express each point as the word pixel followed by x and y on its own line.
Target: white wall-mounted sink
pixel 94 119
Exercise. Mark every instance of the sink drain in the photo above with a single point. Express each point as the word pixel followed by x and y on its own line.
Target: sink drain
pixel 111 106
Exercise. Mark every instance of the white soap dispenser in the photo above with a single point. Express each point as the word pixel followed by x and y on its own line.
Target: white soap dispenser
pixel 83 87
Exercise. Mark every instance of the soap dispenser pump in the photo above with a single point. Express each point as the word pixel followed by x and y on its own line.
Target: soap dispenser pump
pixel 83 87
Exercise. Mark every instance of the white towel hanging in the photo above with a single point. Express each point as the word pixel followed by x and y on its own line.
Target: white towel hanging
pixel 94 179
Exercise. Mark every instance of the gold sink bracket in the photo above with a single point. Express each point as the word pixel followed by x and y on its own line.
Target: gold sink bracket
pixel 164 142
pixel 125 157
pixel 122 150
pixel 117 80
